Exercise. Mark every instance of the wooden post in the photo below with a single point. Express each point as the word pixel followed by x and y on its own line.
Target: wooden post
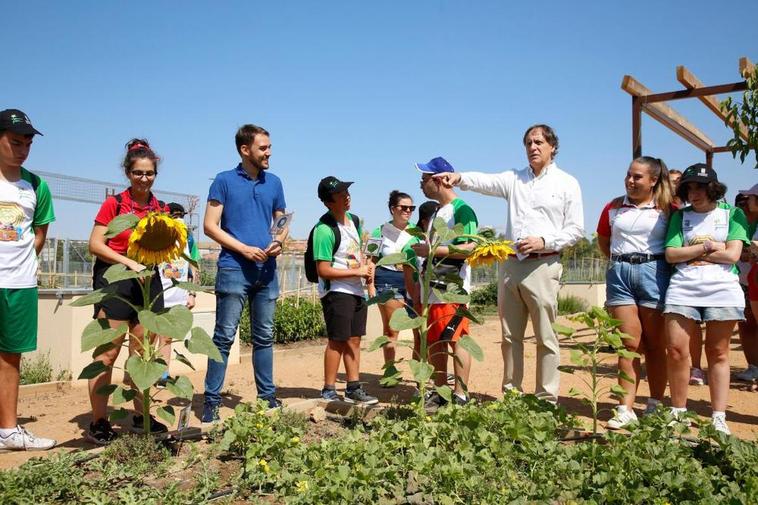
pixel 636 128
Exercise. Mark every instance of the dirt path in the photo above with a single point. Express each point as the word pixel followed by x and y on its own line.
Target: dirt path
pixel 298 374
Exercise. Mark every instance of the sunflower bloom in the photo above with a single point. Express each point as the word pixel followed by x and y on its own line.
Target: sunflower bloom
pixel 490 252
pixel 157 238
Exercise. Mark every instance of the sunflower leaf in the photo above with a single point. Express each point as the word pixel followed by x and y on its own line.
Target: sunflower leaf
pixel 465 312
pixel 121 395
pixel 392 259
pixel 448 297
pixel 120 224
pixel 400 320
pixel 421 370
pixel 181 387
pixel 166 412
pixel 175 323
pixel 181 358
pixel 92 370
pixel 469 345
pixel 99 332
pixel 201 343
pixel 94 297
pixel 118 272
pixel 144 373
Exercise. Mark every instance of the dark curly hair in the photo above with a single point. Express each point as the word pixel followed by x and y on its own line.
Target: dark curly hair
pixel 395 197
pixel 715 190
pixel 138 149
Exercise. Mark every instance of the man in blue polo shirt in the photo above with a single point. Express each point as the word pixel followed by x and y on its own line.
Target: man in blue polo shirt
pixel 242 203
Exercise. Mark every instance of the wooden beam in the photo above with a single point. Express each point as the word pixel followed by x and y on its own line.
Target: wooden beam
pixel 746 66
pixel 689 81
pixel 667 116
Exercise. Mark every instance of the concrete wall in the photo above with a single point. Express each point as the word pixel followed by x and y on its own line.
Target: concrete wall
pixel 594 294
pixel 60 330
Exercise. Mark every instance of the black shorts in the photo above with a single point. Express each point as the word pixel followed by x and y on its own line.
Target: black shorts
pixel 345 315
pixel 128 289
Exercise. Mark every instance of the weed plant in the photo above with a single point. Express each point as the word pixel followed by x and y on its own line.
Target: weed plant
pixel 38 369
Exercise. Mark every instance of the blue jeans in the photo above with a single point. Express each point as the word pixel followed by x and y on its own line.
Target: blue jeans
pixel 261 288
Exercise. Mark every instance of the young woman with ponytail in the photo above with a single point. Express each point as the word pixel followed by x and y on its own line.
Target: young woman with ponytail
pixel 631 233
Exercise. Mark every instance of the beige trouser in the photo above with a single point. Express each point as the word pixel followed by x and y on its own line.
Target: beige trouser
pixel 529 288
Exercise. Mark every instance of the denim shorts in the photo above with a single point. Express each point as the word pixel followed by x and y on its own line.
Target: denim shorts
pixel 703 314
pixel 642 284
pixel 386 280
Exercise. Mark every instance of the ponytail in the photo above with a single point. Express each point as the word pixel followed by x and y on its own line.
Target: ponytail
pixel 662 190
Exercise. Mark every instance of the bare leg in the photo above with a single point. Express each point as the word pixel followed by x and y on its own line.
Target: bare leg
pixel 679 331
pixel 352 358
pixel 462 367
pixel 332 357
pixel 386 310
pixel 630 324
pixel 718 334
pixel 654 336
pixel 100 402
pixel 10 371
pixel 696 349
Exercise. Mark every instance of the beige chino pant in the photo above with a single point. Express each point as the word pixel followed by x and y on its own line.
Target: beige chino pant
pixel 529 288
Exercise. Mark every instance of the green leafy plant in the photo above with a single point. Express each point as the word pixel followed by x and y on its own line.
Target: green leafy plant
pixel 38 369
pixel 294 320
pixel 589 357
pixel 743 114
pixel 146 366
pixel 571 304
pixel 432 282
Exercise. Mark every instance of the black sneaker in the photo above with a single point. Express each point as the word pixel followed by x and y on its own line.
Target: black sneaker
pixel 358 395
pixel 457 400
pixel 101 432
pixel 432 400
pixel 272 401
pixel 155 426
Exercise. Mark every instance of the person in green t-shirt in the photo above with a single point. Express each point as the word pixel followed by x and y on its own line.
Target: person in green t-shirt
pixel 704 241
pixel 747 200
pixel 26 210
pixel 340 277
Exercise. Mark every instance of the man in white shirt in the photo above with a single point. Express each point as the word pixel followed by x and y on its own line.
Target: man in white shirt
pixel 544 216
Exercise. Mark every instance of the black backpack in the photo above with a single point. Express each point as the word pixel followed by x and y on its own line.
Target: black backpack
pixel 310 263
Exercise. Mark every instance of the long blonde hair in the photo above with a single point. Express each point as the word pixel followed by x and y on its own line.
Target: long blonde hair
pixel 662 190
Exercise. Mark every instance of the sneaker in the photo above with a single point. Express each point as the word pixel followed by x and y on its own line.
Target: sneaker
pixel 161 384
pixel 650 409
pixel 22 440
pixel 680 418
pixel 155 426
pixel 622 419
pixel 210 413
pixel 273 402
pixel 749 374
pixel 457 400
pixel 697 377
pixel 358 395
pixel 330 395
pixel 101 432
pixel 719 424
pixel 432 400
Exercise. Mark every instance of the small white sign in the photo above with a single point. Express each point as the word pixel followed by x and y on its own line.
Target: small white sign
pixel 373 246
pixel 184 417
pixel 281 223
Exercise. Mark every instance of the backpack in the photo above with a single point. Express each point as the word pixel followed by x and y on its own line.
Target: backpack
pixel 310 263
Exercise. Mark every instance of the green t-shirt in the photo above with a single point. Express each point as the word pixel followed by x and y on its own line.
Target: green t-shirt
pixel 349 255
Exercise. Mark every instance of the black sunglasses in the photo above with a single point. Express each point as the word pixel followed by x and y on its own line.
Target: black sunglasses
pixel 406 208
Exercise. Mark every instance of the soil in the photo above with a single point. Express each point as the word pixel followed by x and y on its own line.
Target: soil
pixel 298 370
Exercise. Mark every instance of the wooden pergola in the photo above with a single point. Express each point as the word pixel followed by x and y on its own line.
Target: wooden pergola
pixel 644 100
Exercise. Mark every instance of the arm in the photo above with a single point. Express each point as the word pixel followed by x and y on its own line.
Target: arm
pixel 277 244
pixel 40 234
pixel 572 229
pixel 604 244
pixel 487 184
pixel 327 271
pixel 98 247
pixel 728 255
pixel 212 228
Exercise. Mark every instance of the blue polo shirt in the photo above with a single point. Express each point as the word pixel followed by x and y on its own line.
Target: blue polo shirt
pixel 249 205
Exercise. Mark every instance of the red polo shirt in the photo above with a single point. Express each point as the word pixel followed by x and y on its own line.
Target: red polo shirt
pixel 111 208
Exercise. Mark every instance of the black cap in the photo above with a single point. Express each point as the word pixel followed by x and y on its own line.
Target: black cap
pixel 176 208
pixel 330 185
pixel 699 172
pixel 16 121
pixel 426 210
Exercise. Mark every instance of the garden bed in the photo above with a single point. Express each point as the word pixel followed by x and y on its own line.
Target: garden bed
pixel 497 452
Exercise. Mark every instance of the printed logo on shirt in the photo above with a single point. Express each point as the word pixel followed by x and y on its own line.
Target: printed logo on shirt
pixel 697 240
pixel 11 217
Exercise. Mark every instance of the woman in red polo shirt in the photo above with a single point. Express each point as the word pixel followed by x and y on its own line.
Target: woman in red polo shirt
pixel 140 167
pixel 632 232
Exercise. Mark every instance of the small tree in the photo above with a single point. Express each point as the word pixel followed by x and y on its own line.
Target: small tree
pixel 156 238
pixel 488 250
pixel 745 114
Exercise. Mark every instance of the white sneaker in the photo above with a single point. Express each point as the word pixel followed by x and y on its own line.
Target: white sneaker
pixel 22 440
pixel 680 418
pixel 748 374
pixel 622 419
pixel 719 423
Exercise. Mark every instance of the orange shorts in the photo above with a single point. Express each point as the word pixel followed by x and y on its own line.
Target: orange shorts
pixel 440 315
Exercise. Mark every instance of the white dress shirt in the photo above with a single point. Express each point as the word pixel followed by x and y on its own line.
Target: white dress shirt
pixel 547 206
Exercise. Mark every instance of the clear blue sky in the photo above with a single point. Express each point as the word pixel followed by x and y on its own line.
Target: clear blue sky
pixel 361 90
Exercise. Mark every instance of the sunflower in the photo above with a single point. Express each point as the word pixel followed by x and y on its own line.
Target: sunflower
pixel 489 252
pixel 157 238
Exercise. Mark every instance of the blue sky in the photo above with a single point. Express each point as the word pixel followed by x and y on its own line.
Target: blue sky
pixel 361 90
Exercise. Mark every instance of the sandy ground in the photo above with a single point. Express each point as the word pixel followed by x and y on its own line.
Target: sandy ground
pixel 298 374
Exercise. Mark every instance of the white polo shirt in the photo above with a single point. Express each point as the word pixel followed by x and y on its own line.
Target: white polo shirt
pixel 632 228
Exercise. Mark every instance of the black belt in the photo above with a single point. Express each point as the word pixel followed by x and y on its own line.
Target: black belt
pixel 636 258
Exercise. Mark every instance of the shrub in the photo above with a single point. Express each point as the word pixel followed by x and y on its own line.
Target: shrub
pixel 571 305
pixel 293 321
pixel 38 369
pixel 485 296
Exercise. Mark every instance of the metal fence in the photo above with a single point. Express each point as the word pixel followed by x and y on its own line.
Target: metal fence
pixel 65 264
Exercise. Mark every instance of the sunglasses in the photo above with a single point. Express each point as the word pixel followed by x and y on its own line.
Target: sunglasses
pixel 406 208
pixel 140 173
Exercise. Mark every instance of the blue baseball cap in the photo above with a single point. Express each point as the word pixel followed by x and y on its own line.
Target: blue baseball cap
pixel 437 165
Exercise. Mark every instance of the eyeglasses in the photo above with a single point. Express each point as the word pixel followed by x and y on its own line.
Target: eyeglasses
pixel 406 208
pixel 140 173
